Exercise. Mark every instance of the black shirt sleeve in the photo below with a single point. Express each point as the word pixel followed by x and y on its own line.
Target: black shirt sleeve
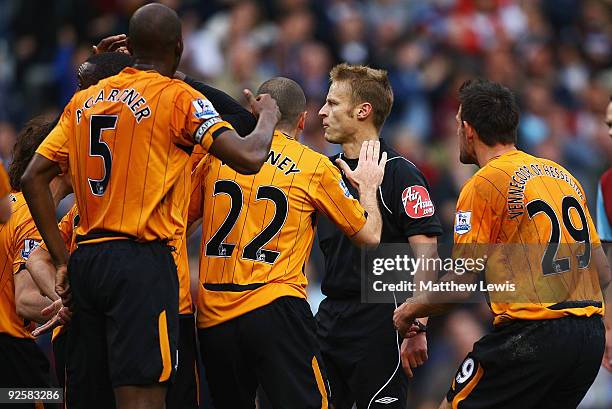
pixel 230 110
pixel 408 198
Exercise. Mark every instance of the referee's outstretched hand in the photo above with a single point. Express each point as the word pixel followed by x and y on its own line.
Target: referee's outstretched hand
pixel 369 171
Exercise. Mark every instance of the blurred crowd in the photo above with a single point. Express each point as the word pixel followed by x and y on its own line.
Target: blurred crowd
pixel 555 55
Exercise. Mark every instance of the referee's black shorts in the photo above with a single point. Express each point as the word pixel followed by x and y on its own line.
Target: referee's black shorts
pixel 361 352
pixel 184 391
pixel 124 329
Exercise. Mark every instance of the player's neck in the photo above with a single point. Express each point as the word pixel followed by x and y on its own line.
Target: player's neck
pixel 146 64
pixel 485 154
pixel 292 133
pixel 352 148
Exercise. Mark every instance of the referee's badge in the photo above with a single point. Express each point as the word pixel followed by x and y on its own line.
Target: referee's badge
pixel 463 222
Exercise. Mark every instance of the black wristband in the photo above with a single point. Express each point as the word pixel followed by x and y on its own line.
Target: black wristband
pixel 422 327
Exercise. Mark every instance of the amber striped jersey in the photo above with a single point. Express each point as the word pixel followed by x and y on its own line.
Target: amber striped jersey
pixel 258 229
pixel 126 142
pixel 533 215
pixel 18 237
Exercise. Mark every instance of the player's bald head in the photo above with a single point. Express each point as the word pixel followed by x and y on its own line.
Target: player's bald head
pixel 288 95
pixel 155 31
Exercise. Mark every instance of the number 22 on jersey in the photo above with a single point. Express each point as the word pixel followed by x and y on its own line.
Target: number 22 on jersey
pixel 215 247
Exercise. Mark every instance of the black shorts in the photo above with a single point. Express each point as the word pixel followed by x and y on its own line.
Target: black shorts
pixel 531 365
pixel 183 392
pixel 23 365
pixel 59 353
pixel 361 352
pixel 124 329
pixel 274 346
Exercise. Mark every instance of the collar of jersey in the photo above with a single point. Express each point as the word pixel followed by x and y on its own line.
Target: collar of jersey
pixel 509 153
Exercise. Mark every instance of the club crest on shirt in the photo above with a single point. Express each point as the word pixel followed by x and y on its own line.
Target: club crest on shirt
pixel 345 189
pixel 204 109
pixel 28 246
pixel 417 203
pixel 463 222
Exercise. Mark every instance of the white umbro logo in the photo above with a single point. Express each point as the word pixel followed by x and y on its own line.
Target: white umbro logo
pixel 386 400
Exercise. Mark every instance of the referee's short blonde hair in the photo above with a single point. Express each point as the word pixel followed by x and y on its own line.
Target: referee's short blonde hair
pixel 367 85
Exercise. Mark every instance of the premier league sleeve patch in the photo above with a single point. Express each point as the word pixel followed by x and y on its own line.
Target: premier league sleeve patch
pixel 345 189
pixel 417 203
pixel 463 222
pixel 28 247
pixel 203 109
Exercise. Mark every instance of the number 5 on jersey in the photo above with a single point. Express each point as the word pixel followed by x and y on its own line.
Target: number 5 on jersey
pixel 97 147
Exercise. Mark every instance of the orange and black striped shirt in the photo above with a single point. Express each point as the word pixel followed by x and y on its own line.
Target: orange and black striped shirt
pixel 530 217
pixel 258 229
pixel 18 237
pixel 126 142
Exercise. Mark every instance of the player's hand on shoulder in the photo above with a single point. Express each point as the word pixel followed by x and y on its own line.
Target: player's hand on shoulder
pixel 115 43
pixel 263 103
pixel 414 352
pixel 370 170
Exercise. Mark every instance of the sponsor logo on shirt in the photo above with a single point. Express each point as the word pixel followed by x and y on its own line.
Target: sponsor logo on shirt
pixel 417 203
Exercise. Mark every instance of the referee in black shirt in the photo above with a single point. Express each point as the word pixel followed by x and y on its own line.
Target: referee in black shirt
pixel 361 349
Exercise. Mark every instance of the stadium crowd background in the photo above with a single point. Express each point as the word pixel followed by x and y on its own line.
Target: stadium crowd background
pixel 556 55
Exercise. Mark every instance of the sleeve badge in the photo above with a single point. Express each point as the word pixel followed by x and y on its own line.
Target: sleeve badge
pixel 417 203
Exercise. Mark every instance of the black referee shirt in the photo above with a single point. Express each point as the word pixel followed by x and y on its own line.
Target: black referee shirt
pixel 406 209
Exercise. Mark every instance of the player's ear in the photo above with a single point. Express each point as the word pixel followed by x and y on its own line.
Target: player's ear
pixel 178 51
pixel 364 110
pixel 470 133
pixel 302 120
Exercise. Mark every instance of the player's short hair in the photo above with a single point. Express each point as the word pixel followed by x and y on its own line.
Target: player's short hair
pixel 491 109
pixel 28 140
pixel 104 65
pixel 367 85
pixel 289 97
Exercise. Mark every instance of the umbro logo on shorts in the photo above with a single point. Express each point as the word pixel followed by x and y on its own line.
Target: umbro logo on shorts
pixel 386 400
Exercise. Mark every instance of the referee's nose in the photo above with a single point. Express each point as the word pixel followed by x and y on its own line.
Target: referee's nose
pixel 323 111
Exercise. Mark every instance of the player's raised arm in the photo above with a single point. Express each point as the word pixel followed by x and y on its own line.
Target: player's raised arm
pixel 229 109
pixel 247 155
